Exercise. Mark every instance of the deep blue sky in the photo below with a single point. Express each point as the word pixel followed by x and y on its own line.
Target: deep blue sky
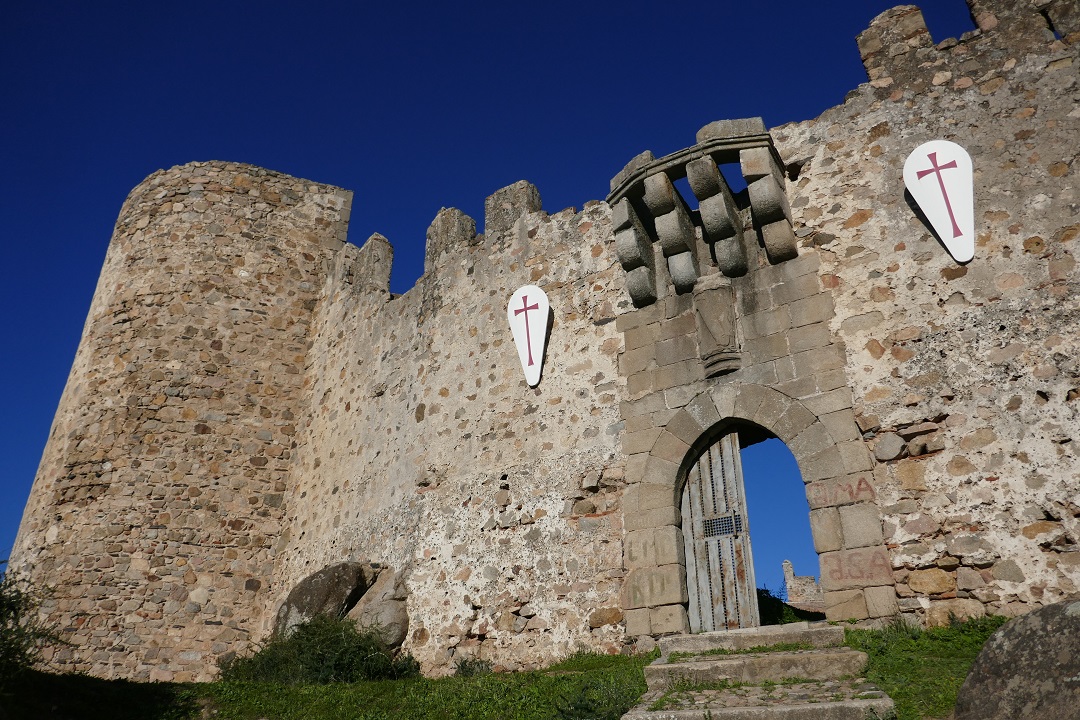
pixel 412 106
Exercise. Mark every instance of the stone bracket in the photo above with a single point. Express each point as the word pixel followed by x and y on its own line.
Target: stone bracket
pixel 648 210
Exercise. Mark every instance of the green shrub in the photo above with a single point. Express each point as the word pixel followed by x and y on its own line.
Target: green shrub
pixel 320 651
pixel 22 633
pixel 471 667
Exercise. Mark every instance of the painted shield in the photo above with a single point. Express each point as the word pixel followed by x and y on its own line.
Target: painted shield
pixel 938 175
pixel 528 314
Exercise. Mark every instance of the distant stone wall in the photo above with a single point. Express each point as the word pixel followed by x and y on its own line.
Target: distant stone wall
pixel 426 451
pixel 160 497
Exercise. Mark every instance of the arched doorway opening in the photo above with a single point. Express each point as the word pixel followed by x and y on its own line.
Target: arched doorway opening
pixel 740 469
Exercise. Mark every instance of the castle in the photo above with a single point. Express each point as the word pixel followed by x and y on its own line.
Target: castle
pixel 251 408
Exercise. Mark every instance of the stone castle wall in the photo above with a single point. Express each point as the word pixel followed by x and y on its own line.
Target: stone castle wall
pixel 426 451
pixel 965 377
pixel 250 404
pixel 160 495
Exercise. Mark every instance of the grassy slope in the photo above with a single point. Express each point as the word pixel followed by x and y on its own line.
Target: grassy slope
pixel 921 670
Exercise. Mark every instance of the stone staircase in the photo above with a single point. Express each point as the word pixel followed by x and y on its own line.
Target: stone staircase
pixel 799 671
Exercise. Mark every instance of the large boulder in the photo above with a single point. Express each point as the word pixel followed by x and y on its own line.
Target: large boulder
pixel 333 591
pixel 1029 669
pixel 382 609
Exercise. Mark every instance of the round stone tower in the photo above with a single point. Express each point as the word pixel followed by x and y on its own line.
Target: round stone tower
pixel 159 496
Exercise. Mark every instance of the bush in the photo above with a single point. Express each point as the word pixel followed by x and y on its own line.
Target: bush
pixel 22 633
pixel 320 651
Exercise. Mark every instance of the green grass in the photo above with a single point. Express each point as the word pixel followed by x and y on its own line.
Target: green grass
pixel 922 670
pixel 600 687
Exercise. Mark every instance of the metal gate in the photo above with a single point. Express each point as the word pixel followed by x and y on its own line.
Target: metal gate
pixel 719 564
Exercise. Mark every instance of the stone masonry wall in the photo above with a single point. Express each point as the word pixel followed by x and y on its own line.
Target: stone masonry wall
pixel 160 495
pixel 426 451
pixel 965 377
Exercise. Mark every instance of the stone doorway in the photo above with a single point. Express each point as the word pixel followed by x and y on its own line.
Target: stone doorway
pixel 720 578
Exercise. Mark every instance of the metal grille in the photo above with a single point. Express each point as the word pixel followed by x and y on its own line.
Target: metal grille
pixel 723 525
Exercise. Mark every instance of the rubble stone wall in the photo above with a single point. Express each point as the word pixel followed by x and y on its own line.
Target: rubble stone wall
pixel 161 492
pixel 426 451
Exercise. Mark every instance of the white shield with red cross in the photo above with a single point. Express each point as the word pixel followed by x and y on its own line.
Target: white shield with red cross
pixel 938 175
pixel 528 313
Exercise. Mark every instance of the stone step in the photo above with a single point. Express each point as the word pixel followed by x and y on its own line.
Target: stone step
pixel 756 668
pixel 853 699
pixel 871 709
pixel 817 634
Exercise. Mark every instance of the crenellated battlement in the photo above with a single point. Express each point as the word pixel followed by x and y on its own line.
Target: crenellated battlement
pixel 897 49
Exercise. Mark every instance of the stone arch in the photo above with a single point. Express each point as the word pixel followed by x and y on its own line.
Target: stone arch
pixel 844 518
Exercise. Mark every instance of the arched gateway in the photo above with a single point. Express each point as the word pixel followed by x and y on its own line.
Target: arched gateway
pixel 690 564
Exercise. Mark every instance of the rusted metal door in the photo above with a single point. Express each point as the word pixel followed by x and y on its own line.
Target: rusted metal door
pixel 716 534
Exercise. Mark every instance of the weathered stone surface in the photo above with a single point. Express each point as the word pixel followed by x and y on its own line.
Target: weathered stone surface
pixel 1028 669
pixel 383 608
pixel 332 591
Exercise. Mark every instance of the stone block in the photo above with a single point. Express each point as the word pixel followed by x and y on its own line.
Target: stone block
pixel 770 347
pixel 683 269
pixel 810 442
pixel 641 286
pixel 723 397
pixel 640 441
pixel 731 256
pixel 759 162
pixel 682 373
pixel 861 524
pixel 676 350
pixel 845 605
pixel 810 310
pixel 864 567
pixel 855 456
pixel 633 248
pixel 826 464
pixel 654 547
pixel 636 360
pixel 704 178
pixel 725 129
pixel 841 491
pixel 841 423
pixel 768 322
pixel 650 587
pixel 684 427
pixel 773 407
pixel 703 410
pixel 780 241
pixel 794 421
pixel 651 496
pixel 941 612
pixel 503 207
pixel 669 447
pixel 825 529
pixel 834 401
pixel 660 194
pixel 659 471
pixel 788 291
pixel 931 581
pixel 637 622
pixel 654 518
pixel 749 399
pixel 881 601
pixel 637 318
pixel 768 201
pixel 669 619
pixel 636 163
